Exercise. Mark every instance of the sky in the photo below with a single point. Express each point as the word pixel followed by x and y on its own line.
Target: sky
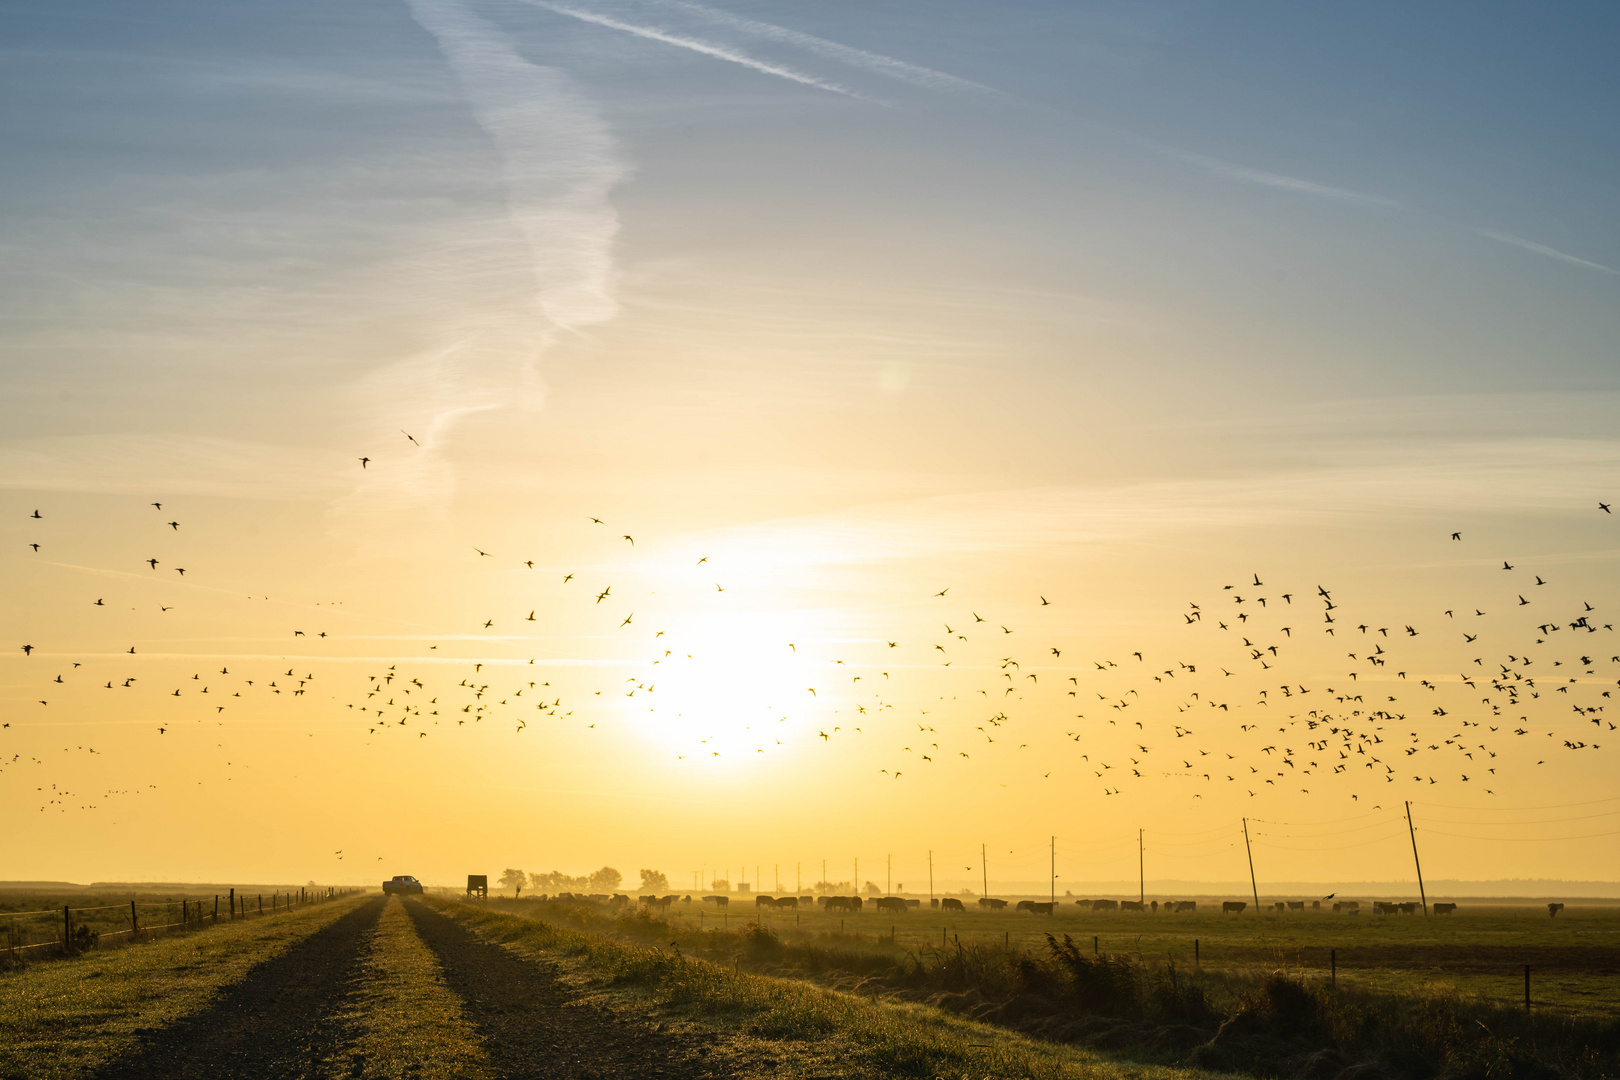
pixel 720 438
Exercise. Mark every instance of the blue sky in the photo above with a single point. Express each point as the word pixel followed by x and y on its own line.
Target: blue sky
pixel 860 293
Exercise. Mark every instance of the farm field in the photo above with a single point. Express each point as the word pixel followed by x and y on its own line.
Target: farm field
pixel 31 918
pixel 369 986
pixel 1481 950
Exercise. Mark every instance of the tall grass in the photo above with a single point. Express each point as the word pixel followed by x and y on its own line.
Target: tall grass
pixel 1269 1023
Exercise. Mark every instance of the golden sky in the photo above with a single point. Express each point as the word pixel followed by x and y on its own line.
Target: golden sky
pixel 668 438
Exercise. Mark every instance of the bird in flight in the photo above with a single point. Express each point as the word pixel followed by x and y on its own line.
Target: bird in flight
pixel 363 463
pixel 409 436
pixel 35 514
pixel 630 538
pixel 1605 508
pixel 943 591
pixel 599 521
pixel 485 554
pixel 1045 602
pixel 153 562
pixel 1456 536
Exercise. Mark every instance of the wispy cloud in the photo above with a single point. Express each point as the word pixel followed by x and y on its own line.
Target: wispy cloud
pixel 1543 249
pixel 1518 476
pixel 877 63
pixel 719 52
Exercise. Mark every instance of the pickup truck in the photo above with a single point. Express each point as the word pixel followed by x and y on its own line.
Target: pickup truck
pixel 403 883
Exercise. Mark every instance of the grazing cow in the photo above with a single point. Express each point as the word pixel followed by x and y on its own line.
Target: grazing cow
pixel 891 903
pixel 1082 903
pixel 807 901
pixel 842 903
pixel 1444 909
pixel 1409 908
pixel 764 901
pixel 619 900
pixel 1105 905
pixel 1296 905
pixel 1279 906
pixel 1352 907
pixel 1233 907
pixel 1130 905
pixel 717 901
pixel 991 904
pixel 913 904
pixel 951 903
pixel 1186 905
pixel 1025 905
pixel 1553 910
pixel 787 901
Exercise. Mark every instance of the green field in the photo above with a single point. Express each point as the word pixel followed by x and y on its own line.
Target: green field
pixel 1479 951
pixel 31 919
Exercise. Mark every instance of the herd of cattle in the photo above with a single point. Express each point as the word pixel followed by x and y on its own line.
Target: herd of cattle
pixel 901 905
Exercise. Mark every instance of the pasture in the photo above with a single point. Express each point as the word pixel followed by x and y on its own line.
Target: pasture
pixel 1480 951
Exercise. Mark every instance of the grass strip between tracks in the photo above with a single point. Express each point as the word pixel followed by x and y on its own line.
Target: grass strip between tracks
pixel 803 1030
pixel 65 1018
pixel 410 1022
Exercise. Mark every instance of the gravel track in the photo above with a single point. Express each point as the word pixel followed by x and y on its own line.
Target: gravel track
pixel 531 1024
pixel 277 1022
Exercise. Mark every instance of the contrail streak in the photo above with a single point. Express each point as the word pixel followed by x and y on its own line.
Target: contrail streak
pixel 915 74
pixel 654 34
pixel 1543 249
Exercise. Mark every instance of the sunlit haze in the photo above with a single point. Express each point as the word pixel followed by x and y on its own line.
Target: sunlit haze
pixel 744 439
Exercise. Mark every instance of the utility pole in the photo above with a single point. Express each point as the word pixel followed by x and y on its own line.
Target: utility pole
pixel 776 872
pixel 930 879
pixel 1141 874
pixel 798 877
pixel 857 875
pixel 1413 834
pixel 985 866
pixel 888 877
pixel 823 870
pixel 1054 873
pixel 1250 852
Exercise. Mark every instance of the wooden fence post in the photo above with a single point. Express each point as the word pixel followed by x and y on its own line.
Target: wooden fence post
pixel 134 922
pixel 1195 954
pixel 216 907
pixel 233 904
pixel 67 944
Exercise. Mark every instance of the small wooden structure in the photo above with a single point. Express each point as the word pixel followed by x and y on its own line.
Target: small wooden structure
pixel 478 884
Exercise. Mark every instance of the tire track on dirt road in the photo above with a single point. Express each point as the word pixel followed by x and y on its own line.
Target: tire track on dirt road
pixel 278 1021
pixel 532 1026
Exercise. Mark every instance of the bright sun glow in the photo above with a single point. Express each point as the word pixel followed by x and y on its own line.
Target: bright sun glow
pixel 735 691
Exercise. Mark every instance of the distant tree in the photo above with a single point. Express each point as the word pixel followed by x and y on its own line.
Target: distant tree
pixel 654 881
pixel 872 889
pixel 514 880
pixel 538 882
pixel 606 879
pixel 832 888
pixel 720 885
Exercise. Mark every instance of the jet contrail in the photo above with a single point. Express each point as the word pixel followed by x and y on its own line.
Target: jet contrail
pixel 652 33
pixel 915 74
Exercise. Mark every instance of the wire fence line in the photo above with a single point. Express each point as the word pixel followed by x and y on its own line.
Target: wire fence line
pixel 69 930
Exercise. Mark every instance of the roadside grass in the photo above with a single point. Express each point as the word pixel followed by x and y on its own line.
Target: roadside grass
pixel 65 1019
pixel 1479 952
pixel 807 1030
pixel 409 1023
pixel 1269 1017
pixel 101 914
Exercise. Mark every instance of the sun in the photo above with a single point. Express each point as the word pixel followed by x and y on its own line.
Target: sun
pixel 734 689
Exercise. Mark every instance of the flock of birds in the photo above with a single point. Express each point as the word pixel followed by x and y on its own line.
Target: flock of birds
pixel 1228 707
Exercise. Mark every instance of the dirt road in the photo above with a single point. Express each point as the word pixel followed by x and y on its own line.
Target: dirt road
pixel 343 1004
